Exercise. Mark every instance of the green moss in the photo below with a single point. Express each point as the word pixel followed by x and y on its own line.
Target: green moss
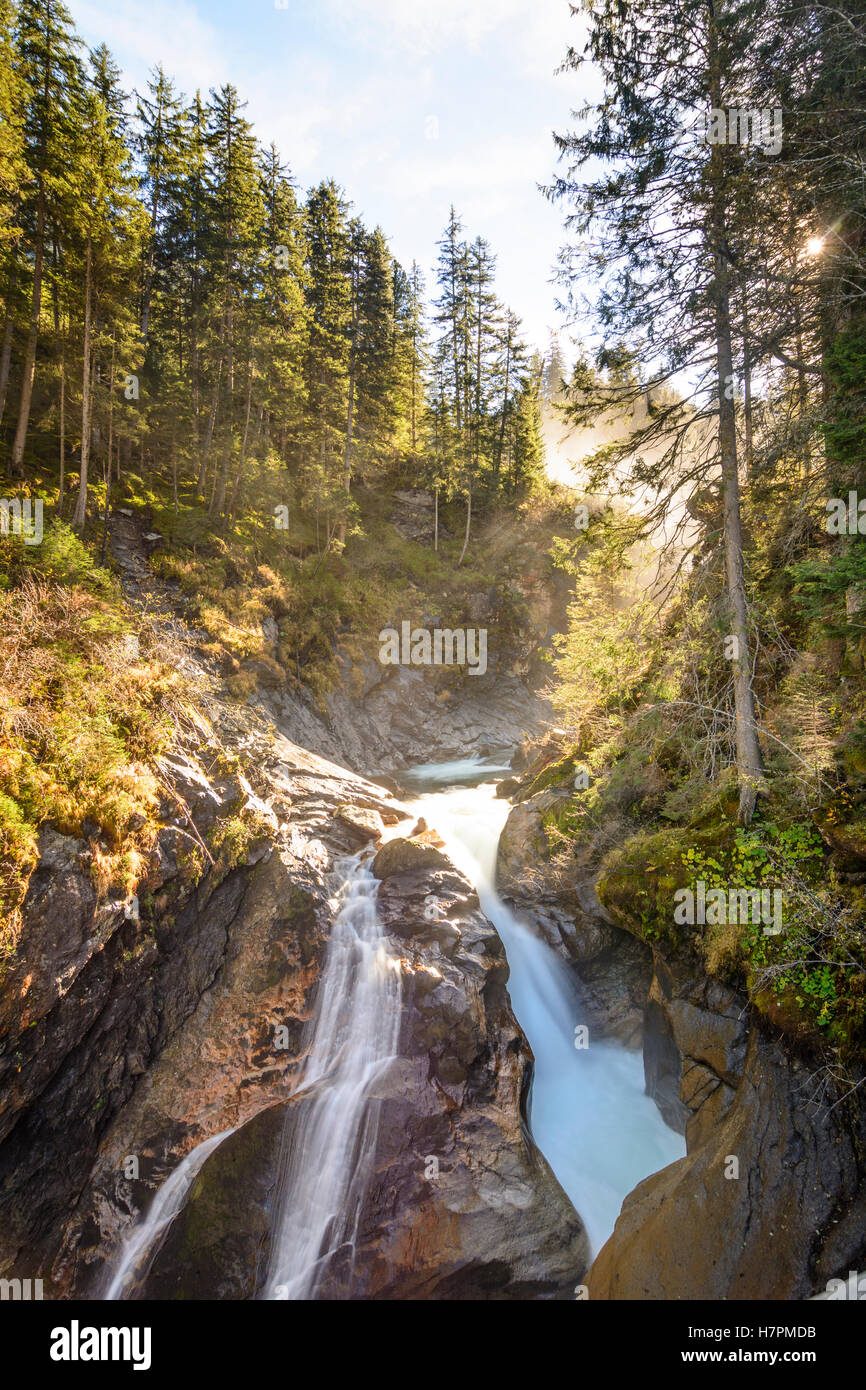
pixel 84 711
pixel 562 770
pixel 639 880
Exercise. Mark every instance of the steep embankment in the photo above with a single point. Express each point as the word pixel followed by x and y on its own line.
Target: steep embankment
pixel 134 1029
pixel 299 636
pixel 775 1178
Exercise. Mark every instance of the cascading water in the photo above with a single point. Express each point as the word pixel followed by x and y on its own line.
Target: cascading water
pixel 143 1243
pixel 326 1164
pixel 588 1112
pixel 326 1160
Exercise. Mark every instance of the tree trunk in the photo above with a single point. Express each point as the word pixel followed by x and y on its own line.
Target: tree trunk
pixel 106 475
pixel 211 420
pixel 468 520
pixel 236 489
pixel 350 421
pixel 747 388
pixel 6 359
pixel 414 389
pixel 208 438
pixel 436 519
pixel 174 474
pixel 222 475
pixel 60 497
pixel 81 502
pixel 497 462
pixel 750 770
pixel 150 264
pixel 32 339
pixel 107 468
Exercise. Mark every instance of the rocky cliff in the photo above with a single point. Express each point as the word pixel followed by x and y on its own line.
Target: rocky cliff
pixel 770 1200
pixel 130 1031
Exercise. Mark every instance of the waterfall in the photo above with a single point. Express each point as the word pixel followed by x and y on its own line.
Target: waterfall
pixel 589 1115
pixel 327 1159
pixel 588 1112
pixel 140 1247
pixel 328 1156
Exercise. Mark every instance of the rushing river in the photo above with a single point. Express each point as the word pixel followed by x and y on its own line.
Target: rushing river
pixel 588 1112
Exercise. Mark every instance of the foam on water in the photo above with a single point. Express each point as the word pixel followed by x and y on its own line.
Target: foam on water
pixel 588 1112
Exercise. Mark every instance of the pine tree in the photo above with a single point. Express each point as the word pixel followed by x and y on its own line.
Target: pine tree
pixel 13 173
pixel 454 357
pixel 409 308
pixel 484 317
pixel 375 367
pixel 555 372
pixel 513 367
pixel 664 214
pixel 526 439
pixel 50 73
pixel 283 336
pixel 186 240
pixel 110 231
pixel 326 360
pixel 160 146
pixel 452 316
pixel 237 248
pixel 13 169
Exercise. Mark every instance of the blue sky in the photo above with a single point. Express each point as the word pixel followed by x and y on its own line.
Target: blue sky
pixel 409 104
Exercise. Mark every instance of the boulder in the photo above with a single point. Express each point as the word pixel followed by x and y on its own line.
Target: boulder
pixel 404 856
pixel 776 1224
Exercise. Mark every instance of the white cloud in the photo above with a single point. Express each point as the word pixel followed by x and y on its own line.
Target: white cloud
pixel 504 169
pixel 424 26
pixel 538 31
pixel 168 31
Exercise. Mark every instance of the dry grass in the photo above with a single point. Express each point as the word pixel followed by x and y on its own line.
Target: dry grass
pixel 83 711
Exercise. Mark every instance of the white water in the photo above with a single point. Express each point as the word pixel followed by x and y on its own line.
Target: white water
pixel 145 1239
pixel 325 1164
pixel 353 1035
pixel 588 1112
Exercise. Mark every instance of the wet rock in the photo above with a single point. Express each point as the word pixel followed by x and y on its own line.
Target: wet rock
pixel 367 823
pixel 218 1245
pixel 790 1220
pixel 507 787
pixel 523 843
pixel 459 1203
pixel 402 712
pixel 403 856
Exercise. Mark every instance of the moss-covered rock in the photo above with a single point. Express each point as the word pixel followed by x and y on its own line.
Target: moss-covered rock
pixel 638 881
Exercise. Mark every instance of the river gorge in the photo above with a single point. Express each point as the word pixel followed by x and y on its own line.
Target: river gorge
pixel 370 1046
pixel 587 1109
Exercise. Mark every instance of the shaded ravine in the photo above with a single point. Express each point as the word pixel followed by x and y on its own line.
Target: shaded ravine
pixel 589 1114
pixel 142 1244
pixel 588 1111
